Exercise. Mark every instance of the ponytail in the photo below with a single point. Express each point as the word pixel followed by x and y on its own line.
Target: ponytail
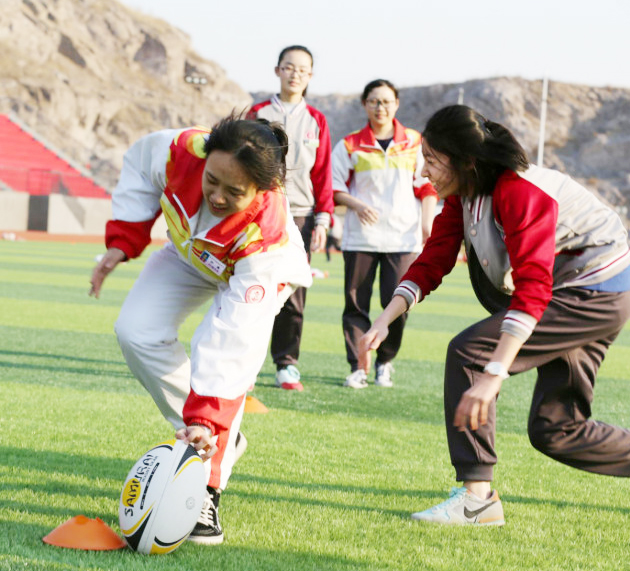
pixel 479 150
pixel 259 146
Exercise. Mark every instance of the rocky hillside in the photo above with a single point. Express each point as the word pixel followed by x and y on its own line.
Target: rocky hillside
pixel 92 76
pixel 587 128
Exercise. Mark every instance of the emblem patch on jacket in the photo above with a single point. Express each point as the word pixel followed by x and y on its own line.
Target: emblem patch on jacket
pixel 311 139
pixel 254 294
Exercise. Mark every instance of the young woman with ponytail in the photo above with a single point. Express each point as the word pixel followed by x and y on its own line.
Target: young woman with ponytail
pixel 550 263
pixel 308 187
pixel 232 240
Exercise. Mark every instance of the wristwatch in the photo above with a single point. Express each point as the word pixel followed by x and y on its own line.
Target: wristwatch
pixel 496 369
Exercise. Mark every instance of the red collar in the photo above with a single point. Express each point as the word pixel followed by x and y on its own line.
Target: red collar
pixel 367 138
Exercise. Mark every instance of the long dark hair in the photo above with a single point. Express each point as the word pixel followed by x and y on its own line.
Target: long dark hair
pixel 479 150
pixel 260 147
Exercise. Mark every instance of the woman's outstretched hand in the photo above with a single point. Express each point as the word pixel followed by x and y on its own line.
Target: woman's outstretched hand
pixel 105 266
pixel 370 341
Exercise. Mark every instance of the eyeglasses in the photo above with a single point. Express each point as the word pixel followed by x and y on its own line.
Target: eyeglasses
pixel 374 103
pixel 290 70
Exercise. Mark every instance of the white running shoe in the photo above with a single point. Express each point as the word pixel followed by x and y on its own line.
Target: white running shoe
pixel 383 375
pixel 464 508
pixel 288 378
pixel 356 380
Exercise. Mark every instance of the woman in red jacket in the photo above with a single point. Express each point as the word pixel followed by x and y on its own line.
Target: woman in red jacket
pixel 550 262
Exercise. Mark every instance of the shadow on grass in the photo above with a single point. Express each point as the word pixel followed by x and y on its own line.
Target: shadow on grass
pixel 49 463
pixel 66 370
pixel 433 495
pixel 23 540
pixel 31 553
pixel 32 357
pixel 30 354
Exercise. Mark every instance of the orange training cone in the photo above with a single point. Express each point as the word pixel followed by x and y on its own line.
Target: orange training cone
pixel 81 532
pixel 252 404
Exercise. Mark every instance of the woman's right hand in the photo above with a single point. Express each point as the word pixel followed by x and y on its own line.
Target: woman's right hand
pixel 366 214
pixel 106 265
pixel 200 438
pixel 370 341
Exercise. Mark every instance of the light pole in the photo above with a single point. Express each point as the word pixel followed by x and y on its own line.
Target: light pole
pixel 543 119
pixel 197 81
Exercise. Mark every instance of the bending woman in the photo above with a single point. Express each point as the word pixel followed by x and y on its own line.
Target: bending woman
pixel 550 262
pixel 231 239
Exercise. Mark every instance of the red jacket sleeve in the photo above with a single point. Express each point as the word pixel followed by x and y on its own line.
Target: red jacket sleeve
pixel 130 237
pixel 440 252
pixel 217 414
pixel 321 173
pixel 214 412
pixel 425 190
pixel 528 216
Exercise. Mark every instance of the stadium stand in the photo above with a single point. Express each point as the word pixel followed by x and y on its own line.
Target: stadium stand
pixel 28 164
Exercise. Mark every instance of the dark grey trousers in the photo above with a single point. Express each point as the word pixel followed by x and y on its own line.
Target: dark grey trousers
pixel 567 348
pixel 286 334
pixel 359 276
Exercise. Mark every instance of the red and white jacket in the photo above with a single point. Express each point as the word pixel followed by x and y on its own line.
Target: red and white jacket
pixel 255 258
pixel 309 179
pixel 390 182
pixel 540 230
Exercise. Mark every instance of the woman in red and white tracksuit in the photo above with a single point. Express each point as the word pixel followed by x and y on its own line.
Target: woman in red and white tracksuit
pixel 309 190
pixel 390 210
pixel 232 240
pixel 550 262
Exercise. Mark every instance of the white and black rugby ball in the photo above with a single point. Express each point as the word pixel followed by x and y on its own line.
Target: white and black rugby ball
pixel 162 498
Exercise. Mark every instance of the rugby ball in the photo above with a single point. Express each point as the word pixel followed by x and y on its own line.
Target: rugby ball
pixel 162 498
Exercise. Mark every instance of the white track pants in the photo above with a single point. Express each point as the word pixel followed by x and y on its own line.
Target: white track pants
pixel 167 291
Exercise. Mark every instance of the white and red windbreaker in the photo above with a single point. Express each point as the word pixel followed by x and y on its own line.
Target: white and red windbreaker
pixel 260 253
pixel 539 231
pixel 388 181
pixel 309 178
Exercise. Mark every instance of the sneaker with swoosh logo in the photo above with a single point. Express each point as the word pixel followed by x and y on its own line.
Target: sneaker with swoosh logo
pixel 464 508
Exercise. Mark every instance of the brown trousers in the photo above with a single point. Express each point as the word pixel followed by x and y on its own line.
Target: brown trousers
pixel 286 334
pixel 360 273
pixel 567 347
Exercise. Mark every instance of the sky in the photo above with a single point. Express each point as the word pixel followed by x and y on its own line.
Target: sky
pixel 409 42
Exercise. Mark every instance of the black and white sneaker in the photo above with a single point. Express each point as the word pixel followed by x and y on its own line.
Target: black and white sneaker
pixel 208 529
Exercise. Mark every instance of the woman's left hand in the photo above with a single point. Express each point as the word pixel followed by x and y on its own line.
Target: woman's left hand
pixel 318 241
pixel 472 410
pixel 200 438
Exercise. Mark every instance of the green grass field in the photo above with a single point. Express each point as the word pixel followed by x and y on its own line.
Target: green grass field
pixel 330 476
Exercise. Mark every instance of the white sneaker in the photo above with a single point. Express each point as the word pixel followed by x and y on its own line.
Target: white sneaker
pixel 464 508
pixel 384 375
pixel 356 380
pixel 289 379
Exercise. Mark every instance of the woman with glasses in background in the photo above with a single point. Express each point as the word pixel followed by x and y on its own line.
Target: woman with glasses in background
pixel 308 188
pixel 390 208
